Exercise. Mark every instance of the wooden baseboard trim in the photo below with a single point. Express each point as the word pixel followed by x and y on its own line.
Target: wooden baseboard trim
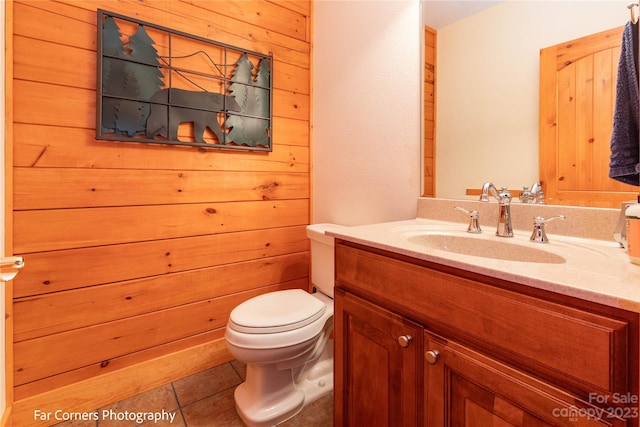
pixel 6 416
pixel 97 392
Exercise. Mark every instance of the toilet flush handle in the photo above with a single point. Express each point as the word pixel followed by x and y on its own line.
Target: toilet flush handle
pixel 405 340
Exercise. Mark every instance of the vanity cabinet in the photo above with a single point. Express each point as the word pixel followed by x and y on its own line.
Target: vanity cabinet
pixel 379 357
pixel 483 351
pixel 466 388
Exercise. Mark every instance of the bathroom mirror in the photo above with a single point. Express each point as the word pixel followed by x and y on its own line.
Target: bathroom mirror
pixel 487 90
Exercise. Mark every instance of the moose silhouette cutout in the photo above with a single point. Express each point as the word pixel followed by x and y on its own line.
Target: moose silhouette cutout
pixel 170 107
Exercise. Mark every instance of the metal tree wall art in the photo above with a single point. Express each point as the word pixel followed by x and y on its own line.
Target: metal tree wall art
pixel 163 86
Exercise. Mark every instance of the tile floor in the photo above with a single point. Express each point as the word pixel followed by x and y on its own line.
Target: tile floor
pixel 204 399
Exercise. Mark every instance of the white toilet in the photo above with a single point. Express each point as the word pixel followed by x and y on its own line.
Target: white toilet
pixel 284 338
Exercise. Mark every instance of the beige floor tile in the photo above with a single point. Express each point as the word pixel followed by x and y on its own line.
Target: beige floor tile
pixel 76 424
pixel 176 422
pixel 206 383
pixel 120 414
pixel 214 411
pixel 241 368
pixel 317 414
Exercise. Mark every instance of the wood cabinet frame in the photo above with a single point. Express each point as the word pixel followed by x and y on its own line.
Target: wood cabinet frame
pixel 515 326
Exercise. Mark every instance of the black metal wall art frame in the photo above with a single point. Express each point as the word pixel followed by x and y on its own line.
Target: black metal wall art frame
pixel 163 86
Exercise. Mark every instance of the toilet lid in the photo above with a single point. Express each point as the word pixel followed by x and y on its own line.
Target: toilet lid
pixel 278 311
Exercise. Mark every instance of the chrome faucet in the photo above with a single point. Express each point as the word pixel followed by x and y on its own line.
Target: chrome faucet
pixel 504 203
pixel 533 195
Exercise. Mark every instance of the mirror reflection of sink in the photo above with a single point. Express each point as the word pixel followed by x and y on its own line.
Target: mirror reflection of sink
pixel 485 248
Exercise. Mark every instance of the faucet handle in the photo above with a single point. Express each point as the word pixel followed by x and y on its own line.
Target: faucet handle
pixel 504 196
pixel 539 234
pixel 525 195
pixel 538 220
pixel 474 224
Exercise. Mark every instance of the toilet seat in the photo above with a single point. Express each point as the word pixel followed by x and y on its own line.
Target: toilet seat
pixel 276 312
pixel 310 321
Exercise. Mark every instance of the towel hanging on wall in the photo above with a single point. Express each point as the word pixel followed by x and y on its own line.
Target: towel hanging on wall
pixel 624 162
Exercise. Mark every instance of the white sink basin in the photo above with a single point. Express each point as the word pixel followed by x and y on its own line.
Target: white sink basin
pixel 485 248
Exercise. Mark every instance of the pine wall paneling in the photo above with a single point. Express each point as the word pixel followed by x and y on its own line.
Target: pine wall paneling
pixel 7 215
pixel 136 253
pixel 430 77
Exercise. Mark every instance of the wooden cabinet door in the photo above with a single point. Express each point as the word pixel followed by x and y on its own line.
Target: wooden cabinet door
pixel 378 365
pixel 465 388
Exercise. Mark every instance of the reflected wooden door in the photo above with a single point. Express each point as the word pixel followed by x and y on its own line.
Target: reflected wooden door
pixel 577 98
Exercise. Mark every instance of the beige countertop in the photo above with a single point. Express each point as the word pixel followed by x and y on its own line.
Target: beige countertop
pixel 594 270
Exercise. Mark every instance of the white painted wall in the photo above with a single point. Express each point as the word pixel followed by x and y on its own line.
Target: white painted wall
pixel 366 134
pixel 488 82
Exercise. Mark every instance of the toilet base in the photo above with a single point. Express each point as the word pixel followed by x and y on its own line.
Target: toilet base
pixel 267 413
pixel 270 397
pixel 316 379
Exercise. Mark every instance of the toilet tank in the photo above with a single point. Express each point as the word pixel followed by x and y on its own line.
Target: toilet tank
pixel 322 258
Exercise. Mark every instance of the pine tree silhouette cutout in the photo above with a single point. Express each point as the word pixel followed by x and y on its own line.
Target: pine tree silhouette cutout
pixel 123 78
pixel 253 100
pixel 148 76
pixel 111 47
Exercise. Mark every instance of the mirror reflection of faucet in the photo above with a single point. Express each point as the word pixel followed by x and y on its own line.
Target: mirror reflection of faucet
pixel 474 224
pixel 504 204
pixel 9 267
pixel 533 195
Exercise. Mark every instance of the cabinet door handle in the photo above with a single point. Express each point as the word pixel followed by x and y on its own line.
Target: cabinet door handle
pixel 405 340
pixel 432 356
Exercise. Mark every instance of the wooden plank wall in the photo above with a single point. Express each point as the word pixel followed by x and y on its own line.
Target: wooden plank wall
pixel 429 160
pixel 138 251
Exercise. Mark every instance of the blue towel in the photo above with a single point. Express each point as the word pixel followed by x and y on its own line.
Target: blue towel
pixel 624 162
